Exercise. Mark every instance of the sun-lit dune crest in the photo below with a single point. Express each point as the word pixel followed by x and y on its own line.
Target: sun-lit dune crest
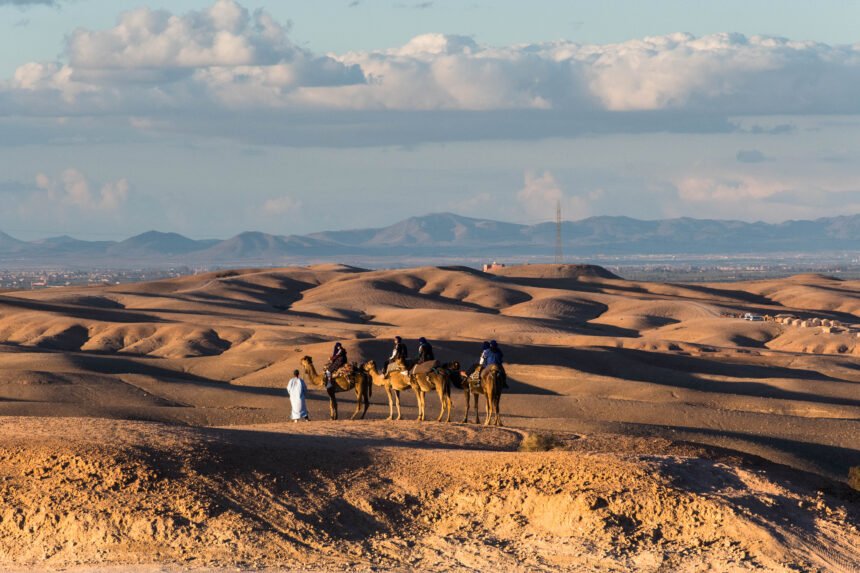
pixel 556 271
pixel 722 333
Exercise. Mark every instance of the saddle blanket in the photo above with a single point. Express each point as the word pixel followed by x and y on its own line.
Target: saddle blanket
pixel 344 370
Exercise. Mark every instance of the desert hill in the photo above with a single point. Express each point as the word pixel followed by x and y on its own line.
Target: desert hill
pixel 719 431
pixel 352 496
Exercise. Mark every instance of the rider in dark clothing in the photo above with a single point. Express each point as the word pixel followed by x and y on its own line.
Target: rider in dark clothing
pixel 492 354
pixel 398 356
pixel 336 362
pixel 425 351
pixel 426 361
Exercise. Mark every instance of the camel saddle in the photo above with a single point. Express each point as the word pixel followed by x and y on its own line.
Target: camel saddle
pixel 475 381
pixel 397 366
pixel 425 367
pixel 345 371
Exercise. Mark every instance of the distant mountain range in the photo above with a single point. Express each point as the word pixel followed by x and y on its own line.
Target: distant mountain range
pixel 448 235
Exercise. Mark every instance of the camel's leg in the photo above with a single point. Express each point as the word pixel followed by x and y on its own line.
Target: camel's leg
pixel 468 404
pixel 357 403
pixel 441 391
pixel 366 390
pixel 448 403
pixel 332 405
pixel 397 402
pixel 489 415
pixel 418 401
pixel 498 412
pixel 390 392
pixel 358 397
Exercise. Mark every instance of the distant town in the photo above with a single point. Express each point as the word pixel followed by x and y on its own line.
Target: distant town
pixel 35 278
pixel 51 278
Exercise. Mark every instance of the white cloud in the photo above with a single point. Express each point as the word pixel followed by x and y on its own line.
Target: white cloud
pixel 198 70
pixel 541 194
pixel 281 205
pixel 73 189
pixel 223 35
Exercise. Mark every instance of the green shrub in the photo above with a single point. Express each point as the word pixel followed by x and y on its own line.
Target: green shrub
pixel 540 442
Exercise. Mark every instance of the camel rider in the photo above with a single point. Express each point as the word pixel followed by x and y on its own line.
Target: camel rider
pixel 426 360
pixel 475 373
pixel 492 354
pixel 335 363
pixel 398 356
pixel 425 351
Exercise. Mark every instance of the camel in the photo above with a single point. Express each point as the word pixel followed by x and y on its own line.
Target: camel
pixel 357 380
pixel 393 385
pixel 491 382
pixel 491 387
pixel 438 379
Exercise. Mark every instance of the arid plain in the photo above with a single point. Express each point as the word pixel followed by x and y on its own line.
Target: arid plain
pixel 146 426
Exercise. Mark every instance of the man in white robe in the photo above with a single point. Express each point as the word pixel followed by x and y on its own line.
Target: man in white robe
pixel 297 389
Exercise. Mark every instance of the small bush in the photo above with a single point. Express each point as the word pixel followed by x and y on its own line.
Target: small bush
pixel 854 477
pixel 540 442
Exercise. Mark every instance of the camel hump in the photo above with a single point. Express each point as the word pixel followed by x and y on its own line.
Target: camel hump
pixel 425 367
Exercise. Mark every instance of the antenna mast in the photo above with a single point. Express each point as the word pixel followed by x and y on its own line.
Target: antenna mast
pixel 559 255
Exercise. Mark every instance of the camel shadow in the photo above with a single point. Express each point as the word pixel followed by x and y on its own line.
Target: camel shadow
pixel 118 365
pixel 663 368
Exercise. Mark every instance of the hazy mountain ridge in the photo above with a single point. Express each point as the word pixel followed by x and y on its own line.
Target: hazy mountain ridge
pixel 451 235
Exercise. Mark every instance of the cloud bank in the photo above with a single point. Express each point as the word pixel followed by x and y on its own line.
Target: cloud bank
pixel 26 3
pixel 203 71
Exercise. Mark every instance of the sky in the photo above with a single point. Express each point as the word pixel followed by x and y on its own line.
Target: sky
pixel 209 118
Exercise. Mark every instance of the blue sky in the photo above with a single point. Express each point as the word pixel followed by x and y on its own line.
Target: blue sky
pixel 209 118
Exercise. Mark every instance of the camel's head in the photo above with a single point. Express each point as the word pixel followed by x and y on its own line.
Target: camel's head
pixel 453 366
pixel 307 361
pixel 369 366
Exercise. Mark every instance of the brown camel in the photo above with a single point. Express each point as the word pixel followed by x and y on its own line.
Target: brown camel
pixel 438 379
pixel 491 382
pixel 393 385
pixel 468 391
pixel 491 387
pixel 357 380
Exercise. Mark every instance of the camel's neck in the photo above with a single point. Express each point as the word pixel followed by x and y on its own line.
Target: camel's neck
pixel 311 372
pixel 376 376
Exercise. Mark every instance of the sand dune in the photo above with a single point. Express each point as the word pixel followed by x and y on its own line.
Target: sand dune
pixel 628 374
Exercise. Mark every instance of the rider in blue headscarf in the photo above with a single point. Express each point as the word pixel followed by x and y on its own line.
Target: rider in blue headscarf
pixel 492 354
